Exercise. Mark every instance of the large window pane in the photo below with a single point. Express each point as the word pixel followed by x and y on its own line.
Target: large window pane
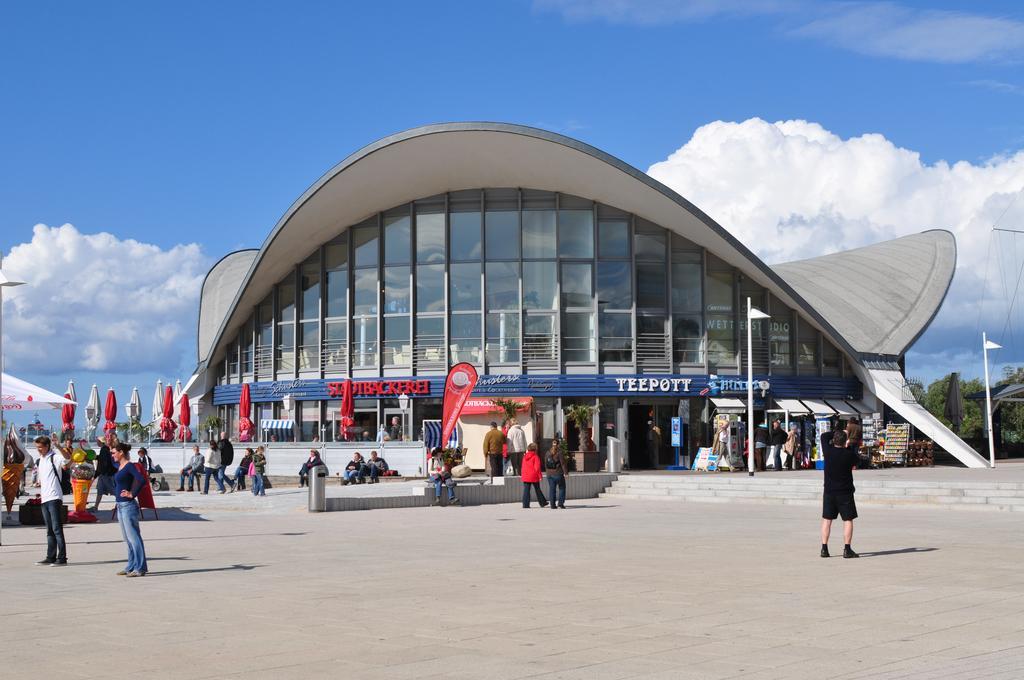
pixel 429 327
pixel 613 239
pixel 286 301
pixel 310 291
pixel 397 348
pixel 366 291
pixel 503 337
pixel 686 282
pixel 576 233
pixel 577 286
pixel 538 233
pixel 336 255
pixel 502 285
pixel 465 287
pixel 780 348
pixel 309 345
pixel 430 288
pixel 396 290
pixel 687 339
pixel 650 243
pixel 309 421
pixel 502 232
pixel 807 348
pixel 465 236
pixel 616 337
pixel 364 342
pixel 396 239
pixel 335 340
pixel 720 296
pixel 650 286
pixel 337 293
pixel 578 338
pixel 539 285
pixel 430 237
pixel 540 338
pixel 364 243
pixel 721 340
pixel 466 342
pixel 614 285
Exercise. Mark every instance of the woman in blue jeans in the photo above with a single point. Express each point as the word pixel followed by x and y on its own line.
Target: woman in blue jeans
pixel 557 470
pixel 128 481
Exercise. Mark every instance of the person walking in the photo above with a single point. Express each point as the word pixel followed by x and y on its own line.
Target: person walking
pixel 776 440
pixel 227 457
pixel 440 476
pixel 213 469
pixel 192 470
pixel 104 470
pixel 493 442
pixel 259 468
pixel 532 476
pixel 51 467
pixel 837 500
pixel 791 447
pixel 14 468
pixel 558 469
pixel 516 437
pixel 241 471
pixel 128 481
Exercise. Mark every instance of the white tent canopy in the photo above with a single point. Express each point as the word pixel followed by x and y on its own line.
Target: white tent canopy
pixel 20 395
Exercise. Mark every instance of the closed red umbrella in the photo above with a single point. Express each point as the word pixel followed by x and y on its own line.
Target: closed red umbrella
pixel 347 410
pixel 166 424
pixel 245 425
pixel 110 412
pixel 185 419
pixel 67 416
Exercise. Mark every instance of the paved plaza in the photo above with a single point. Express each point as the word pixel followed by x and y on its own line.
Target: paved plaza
pixel 604 590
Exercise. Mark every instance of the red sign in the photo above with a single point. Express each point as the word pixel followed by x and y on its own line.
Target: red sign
pixel 377 388
pixel 457 388
pixel 480 406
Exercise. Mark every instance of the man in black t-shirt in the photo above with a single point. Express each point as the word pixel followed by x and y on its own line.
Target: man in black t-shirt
pixel 838 497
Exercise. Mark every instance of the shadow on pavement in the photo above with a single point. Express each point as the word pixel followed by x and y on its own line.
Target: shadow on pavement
pixel 148 559
pixel 901 551
pixel 182 572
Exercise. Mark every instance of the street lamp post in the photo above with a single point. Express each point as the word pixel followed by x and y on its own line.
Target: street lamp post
pixel 752 313
pixel 986 345
pixel 4 283
pixel 403 403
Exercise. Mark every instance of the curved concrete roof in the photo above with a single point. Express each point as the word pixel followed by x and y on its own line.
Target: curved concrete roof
pixel 880 297
pixel 220 287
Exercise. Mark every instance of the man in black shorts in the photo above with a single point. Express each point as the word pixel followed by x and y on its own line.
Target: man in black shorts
pixel 838 497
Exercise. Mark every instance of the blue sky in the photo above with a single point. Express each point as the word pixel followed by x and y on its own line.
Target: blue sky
pixel 199 122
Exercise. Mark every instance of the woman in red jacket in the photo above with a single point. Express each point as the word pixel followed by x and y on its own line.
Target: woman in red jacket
pixel 531 477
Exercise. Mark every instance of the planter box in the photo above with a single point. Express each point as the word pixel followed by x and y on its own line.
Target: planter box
pixel 587 461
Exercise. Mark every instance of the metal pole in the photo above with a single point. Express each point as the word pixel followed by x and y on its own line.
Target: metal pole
pixel 988 405
pixel 750 397
pixel 2 434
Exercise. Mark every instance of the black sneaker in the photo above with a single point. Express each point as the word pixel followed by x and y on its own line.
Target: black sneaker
pixel 60 563
pixel 848 553
pixel 824 551
pixel 43 563
pixel 454 501
pixel 544 504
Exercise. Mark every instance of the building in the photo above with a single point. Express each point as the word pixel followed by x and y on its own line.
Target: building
pixel 566 276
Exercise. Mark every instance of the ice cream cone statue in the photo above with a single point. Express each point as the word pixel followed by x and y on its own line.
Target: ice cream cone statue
pixel 82 473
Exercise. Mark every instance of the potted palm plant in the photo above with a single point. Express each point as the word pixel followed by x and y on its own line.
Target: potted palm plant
pixel 582 417
pixel 506 408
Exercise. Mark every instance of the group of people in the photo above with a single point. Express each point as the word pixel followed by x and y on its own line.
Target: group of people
pixel 128 480
pixel 497 442
pixel 217 462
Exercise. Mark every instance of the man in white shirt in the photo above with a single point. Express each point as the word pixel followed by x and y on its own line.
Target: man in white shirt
pixel 516 439
pixel 50 468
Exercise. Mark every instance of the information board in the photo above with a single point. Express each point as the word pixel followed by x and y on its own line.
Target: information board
pixel 705 460
pixel 677 428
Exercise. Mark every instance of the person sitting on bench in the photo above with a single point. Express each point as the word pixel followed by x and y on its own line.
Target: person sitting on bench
pixel 311 462
pixel 192 471
pixel 355 471
pixel 376 466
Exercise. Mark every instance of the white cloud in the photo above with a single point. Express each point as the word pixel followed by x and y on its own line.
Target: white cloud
pixel 793 189
pixel 99 303
pixel 884 29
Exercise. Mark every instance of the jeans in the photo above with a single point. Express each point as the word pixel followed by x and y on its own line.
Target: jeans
pixel 218 476
pixel 374 473
pixel 526 494
pixel 56 549
pixel 354 475
pixel 239 482
pixel 516 458
pixel 438 483
pixel 223 477
pixel 556 484
pixel 776 453
pixel 257 485
pixel 191 476
pixel 128 516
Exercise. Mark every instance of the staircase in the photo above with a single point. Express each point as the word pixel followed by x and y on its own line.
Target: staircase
pixel 805 489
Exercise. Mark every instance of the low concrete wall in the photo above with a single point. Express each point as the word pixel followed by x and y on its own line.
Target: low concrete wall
pixel 506 490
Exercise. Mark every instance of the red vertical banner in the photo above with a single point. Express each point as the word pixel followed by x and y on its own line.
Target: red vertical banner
pixel 457 388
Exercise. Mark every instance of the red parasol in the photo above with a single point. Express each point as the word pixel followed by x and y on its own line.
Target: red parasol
pixel 347 410
pixel 166 424
pixel 185 418
pixel 67 415
pixel 110 412
pixel 245 426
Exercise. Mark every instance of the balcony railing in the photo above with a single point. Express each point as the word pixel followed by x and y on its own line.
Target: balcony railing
pixel 333 356
pixel 428 353
pixel 541 353
pixel 653 353
pixel 264 363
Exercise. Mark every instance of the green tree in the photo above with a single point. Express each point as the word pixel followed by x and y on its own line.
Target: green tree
pixel 934 399
pixel 1012 413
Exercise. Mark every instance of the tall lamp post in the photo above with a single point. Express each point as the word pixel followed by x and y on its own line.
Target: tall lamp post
pixel 752 313
pixel 986 345
pixel 403 403
pixel 4 283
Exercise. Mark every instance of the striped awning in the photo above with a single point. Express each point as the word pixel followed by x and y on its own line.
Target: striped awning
pixel 432 435
pixel 277 425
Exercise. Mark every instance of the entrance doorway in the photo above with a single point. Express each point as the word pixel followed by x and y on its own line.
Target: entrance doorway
pixel 640 450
